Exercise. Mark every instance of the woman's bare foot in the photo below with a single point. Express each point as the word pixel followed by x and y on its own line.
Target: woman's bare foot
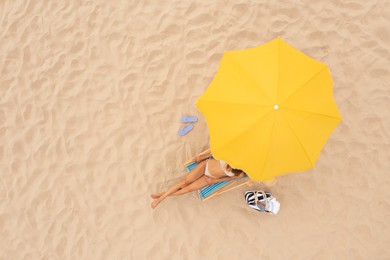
pixel 156 195
pixel 155 203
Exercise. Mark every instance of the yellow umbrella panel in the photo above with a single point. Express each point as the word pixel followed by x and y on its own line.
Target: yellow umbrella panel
pixel 269 110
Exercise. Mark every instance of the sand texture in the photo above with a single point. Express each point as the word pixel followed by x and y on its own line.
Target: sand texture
pixel 90 101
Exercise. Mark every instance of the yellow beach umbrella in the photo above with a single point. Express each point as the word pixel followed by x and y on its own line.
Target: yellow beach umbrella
pixel 269 110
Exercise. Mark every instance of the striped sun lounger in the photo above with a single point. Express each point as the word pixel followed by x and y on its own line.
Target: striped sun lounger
pixel 216 188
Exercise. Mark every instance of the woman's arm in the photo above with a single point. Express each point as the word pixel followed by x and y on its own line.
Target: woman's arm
pixel 203 156
pixel 227 178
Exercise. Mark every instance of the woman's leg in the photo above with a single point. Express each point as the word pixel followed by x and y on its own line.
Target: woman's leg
pixel 196 185
pixel 192 176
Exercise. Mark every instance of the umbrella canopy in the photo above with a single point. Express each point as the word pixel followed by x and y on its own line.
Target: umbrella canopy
pixel 269 110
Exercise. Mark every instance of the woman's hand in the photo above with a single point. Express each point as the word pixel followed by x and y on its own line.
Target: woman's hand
pixel 199 158
pixel 241 175
pixel 194 159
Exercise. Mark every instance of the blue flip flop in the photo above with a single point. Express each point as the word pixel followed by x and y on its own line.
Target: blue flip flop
pixel 185 130
pixel 189 119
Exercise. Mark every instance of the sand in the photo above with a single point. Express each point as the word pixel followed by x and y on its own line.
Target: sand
pixel 91 97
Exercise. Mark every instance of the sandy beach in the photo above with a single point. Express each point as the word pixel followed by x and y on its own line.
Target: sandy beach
pixel 91 97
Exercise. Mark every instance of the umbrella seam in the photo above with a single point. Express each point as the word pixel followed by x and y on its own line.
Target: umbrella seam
pixel 269 147
pixel 315 113
pixel 299 141
pixel 236 103
pixel 249 76
pixel 242 133
pixel 303 85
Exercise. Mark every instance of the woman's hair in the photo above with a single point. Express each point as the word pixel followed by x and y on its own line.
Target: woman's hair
pixel 235 171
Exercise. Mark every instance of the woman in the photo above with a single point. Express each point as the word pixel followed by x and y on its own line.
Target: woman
pixel 208 171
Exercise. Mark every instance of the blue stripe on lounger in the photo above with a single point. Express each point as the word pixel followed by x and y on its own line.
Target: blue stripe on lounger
pixel 191 166
pixel 208 190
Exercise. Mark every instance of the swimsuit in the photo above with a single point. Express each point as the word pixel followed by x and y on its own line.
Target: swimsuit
pixel 222 164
